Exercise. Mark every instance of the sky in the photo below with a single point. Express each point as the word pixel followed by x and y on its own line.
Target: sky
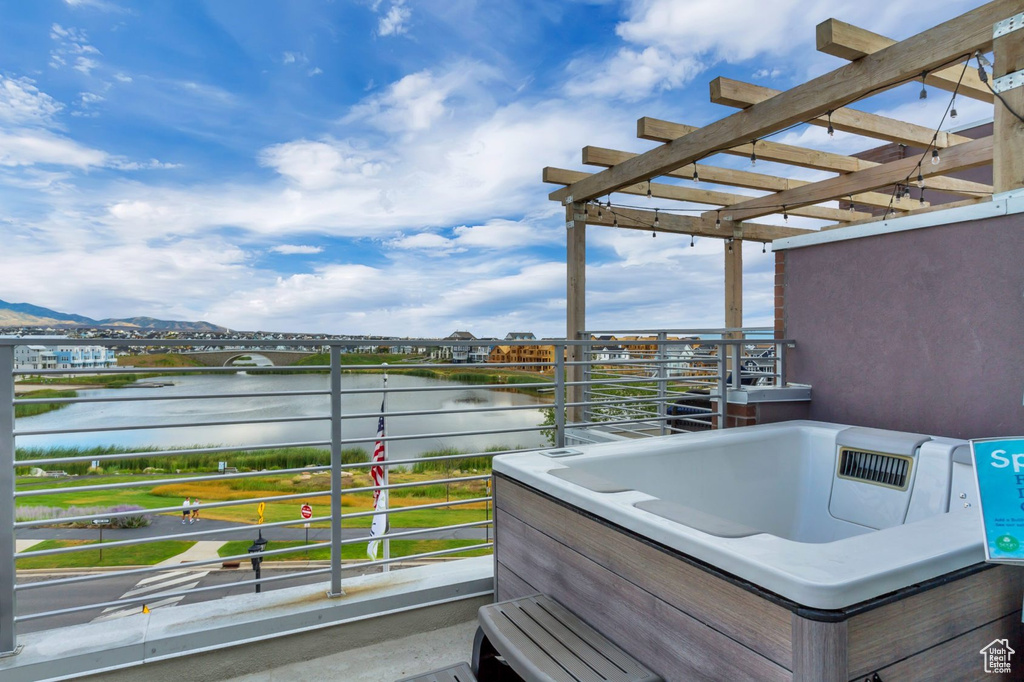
pixel 374 166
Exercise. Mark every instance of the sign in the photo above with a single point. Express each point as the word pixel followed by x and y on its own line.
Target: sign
pixel 101 522
pixel 999 468
pixel 306 511
pixel 259 510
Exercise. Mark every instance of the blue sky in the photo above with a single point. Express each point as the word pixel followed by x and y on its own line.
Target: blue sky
pixel 374 166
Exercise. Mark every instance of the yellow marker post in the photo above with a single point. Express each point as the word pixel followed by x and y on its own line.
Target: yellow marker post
pixel 259 510
pixel 145 609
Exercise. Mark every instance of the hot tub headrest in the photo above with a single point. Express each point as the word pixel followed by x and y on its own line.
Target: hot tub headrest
pixel 962 455
pixel 879 440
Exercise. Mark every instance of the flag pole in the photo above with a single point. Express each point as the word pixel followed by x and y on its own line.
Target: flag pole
pixel 387 524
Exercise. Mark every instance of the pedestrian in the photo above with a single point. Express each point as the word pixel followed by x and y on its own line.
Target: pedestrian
pixel 195 510
pixel 185 508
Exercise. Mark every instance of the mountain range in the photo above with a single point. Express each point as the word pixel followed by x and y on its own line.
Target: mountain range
pixel 28 315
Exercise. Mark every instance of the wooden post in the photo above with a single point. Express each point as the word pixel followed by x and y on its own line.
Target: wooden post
pixel 575 298
pixel 734 283
pixel 1008 131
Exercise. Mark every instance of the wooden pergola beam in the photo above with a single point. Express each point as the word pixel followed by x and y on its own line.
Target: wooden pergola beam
pixel 925 51
pixel 658 130
pixel 733 93
pixel 698 226
pixel 850 42
pixel 600 156
pixel 561 176
pixel 968 155
pixel 666 131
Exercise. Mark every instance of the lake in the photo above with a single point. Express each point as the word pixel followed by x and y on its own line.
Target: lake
pixel 192 412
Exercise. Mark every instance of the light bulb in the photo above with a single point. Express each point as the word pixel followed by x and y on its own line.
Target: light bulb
pixel 657 223
pixel 935 157
pixel 922 196
pixel 718 220
pixel 648 189
pixel 952 110
pixel 785 215
pixel 753 159
pixel 696 178
pixel 691 241
pixel 920 180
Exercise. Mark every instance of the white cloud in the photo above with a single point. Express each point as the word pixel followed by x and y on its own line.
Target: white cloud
pixel 417 101
pixel 297 249
pixel 30 147
pixel 73 44
pixel 22 103
pixel 123 77
pixel 395 21
pixel 632 74
pixel 319 164
pixel 294 57
pixel 315 71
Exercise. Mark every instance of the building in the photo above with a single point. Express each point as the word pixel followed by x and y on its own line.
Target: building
pixel 65 356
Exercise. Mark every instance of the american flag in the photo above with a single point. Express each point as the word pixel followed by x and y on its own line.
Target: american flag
pixel 380 497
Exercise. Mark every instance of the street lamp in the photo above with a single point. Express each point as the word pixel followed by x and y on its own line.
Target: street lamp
pixel 258 545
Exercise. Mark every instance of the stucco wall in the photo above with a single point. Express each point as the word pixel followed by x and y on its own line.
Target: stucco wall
pixel 917 331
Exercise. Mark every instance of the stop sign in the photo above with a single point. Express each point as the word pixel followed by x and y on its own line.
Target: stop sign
pixel 306 511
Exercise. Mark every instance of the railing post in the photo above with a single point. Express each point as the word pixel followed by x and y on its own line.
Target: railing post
pixel 8 636
pixel 723 386
pixel 779 365
pixel 336 590
pixel 560 396
pixel 586 354
pixel 735 351
pixel 662 374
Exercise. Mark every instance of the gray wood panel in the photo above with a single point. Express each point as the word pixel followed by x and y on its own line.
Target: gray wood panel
pixel 670 642
pixel 510 585
pixel 959 658
pixel 819 651
pixel 755 622
pixel 895 631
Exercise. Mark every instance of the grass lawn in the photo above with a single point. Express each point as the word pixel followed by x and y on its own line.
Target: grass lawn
pixel 172 494
pixel 136 555
pixel 399 548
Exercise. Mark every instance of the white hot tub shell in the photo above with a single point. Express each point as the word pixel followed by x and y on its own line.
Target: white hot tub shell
pixel 821 514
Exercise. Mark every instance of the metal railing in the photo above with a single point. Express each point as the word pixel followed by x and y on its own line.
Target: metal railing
pixel 279 442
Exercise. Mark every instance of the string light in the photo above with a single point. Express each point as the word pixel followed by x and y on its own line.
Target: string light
pixel 657 223
pixel 952 111
pixel 615 221
pixel 696 178
pixel 730 246
pixel 785 215
pixel 648 189
pixel 906 189
pixel 718 220
pixel 764 247
pixel 852 207
pixel 922 196
pixel 924 91
pixel 598 209
pixel 691 241
pixel 753 154
pixel 920 179
pixel 831 130
pixel 935 157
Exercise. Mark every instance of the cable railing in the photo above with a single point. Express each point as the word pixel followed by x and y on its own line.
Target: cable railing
pixel 181 467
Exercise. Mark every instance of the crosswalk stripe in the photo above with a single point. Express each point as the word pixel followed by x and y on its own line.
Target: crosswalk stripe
pixel 160 577
pixel 161 586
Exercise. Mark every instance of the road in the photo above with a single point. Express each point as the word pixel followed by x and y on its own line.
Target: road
pixel 116 585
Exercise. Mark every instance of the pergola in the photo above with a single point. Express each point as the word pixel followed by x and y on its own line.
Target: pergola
pixel 867 190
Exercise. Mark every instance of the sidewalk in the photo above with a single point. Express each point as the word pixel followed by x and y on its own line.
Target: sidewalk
pixel 203 549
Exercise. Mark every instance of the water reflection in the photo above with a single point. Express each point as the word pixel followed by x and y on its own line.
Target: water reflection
pixel 192 412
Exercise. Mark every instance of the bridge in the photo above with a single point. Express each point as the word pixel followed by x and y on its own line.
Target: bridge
pixel 223 358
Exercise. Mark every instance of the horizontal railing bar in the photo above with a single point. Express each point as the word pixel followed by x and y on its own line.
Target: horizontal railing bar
pixel 423 555
pixel 181 425
pixel 142 599
pixel 411 533
pixel 431 505
pixel 168 453
pixel 397 486
pixel 163 538
pixel 135 399
pixel 446 434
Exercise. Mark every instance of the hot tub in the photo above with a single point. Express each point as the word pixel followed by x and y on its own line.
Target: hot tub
pixel 826 522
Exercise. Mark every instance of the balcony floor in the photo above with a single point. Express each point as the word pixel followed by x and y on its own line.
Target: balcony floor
pixel 390 660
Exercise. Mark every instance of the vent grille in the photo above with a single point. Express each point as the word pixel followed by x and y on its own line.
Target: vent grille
pixel 874 467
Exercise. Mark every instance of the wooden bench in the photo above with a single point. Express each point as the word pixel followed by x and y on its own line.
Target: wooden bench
pixel 543 641
pixel 459 672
